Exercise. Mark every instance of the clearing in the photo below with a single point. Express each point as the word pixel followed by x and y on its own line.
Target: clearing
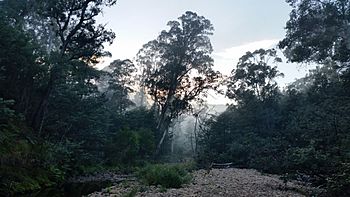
pixel 214 183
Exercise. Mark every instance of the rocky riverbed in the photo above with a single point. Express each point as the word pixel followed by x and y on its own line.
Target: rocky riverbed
pixel 216 182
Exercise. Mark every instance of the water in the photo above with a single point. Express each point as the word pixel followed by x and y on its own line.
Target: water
pixel 70 190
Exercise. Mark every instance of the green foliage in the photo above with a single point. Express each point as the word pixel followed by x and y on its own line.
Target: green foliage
pixel 7 128
pixel 177 68
pixel 25 168
pixel 318 30
pixel 132 193
pixel 254 76
pixel 21 179
pixel 55 119
pixel 166 175
pixel 303 131
pixel 339 182
pixel 59 116
pixel 127 146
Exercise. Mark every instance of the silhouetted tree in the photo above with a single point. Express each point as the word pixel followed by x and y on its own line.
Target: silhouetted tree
pixel 79 39
pixel 254 76
pixel 179 67
pixel 318 30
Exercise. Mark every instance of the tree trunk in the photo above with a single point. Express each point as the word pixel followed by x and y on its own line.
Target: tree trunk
pixel 163 123
pixel 42 107
pixel 160 143
pixel 195 134
pixel 37 120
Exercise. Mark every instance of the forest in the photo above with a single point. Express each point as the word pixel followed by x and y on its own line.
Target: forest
pixel 61 117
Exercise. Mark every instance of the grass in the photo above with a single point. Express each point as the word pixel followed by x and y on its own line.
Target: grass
pixel 165 175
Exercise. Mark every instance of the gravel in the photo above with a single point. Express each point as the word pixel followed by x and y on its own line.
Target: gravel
pixel 214 183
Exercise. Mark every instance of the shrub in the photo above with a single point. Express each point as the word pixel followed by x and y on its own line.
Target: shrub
pixel 166 175
pixel 338 184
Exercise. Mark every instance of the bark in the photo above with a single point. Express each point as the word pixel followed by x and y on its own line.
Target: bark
pixel 37 120
pixel 163 123
pixel 195 134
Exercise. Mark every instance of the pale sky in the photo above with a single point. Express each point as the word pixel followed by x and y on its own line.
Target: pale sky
pixel 240 26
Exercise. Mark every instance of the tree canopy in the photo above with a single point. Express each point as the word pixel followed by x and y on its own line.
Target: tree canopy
pixel 254 76
pixel 179 67
pixel 61 117
pixel 318 30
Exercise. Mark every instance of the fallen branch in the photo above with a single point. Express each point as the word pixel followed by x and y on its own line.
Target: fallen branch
pixel 220 165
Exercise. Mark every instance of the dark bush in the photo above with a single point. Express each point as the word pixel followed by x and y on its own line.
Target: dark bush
pixel 166 175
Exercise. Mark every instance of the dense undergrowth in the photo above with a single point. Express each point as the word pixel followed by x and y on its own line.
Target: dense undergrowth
pixel 301 133
pixel 61 117
pixel 166 175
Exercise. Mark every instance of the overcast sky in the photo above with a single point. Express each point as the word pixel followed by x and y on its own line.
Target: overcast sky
pixel 240 26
